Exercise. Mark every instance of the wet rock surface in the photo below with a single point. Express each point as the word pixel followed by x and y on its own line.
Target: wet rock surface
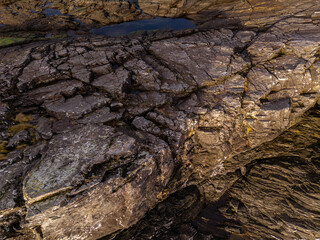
pixel 97 132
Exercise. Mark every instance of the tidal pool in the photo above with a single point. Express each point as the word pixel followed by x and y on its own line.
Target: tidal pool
pixel 51 12
pixel 144 25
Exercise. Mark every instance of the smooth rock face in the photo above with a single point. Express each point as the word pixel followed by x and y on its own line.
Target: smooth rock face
pixel 104 123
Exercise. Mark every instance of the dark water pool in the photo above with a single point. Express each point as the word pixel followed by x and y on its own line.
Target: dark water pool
pixel 51 12
pixel 144 25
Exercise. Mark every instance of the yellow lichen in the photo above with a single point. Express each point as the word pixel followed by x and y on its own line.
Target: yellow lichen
pixel 163 194
pixel 190 133
pixel 296 131
pixel 316 135
pixel 245 84
pixel 205 219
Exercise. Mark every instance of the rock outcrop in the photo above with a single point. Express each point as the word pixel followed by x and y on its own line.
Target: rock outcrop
pixel 276 196
pixel 96 131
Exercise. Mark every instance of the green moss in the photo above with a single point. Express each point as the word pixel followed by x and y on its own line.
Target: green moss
pixel 3 147
pixel 22 146
pixel 23 37
pixel 5 41
pixel 19 127
pixel 60 36
pixel 21 118
pixel 3 157
pixel 33 140
pixel 3 150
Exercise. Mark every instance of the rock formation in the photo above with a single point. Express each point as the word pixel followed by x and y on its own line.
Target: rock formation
pixel 96 132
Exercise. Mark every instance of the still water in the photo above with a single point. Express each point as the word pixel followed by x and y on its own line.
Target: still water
pixel 144 25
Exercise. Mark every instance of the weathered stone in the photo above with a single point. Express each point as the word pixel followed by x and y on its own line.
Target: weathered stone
pixel 102 115
pixel 200 50
pixel 145 125
pixel 9 70
pixel 93 147
pixel 172 213
pixel 144 77
pixel 65 157
pixel 81 74
pixel 65 88
pixel 74 107
pixel 19 138
pixel 38 71
pixel 3 110
pixel 9 186
pixel 128 112
pixel 44 128
pixel 282 177
pixel 63 126
pixel 266 47
pixel 113 83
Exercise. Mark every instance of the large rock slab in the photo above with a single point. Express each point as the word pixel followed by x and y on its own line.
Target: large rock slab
pixel 108 176
pixel 123 115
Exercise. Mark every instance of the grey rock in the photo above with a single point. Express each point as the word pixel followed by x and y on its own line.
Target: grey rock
pixel 182 57
pixel 102 115
pixel 44 128
pixel 143 75
pixel 122 146
pixel 64 88
pixel 38 71
pixel 64 158
pixel 12 171
pixel 63 126
pixel 19 138
pixel 3 109
pixel 145 125
pixel 145 101
pixel 113 83
pixel 94 145
pixel 81 74
pixel 245 36
pixel 9 186
pixel 116 105
pixel 74 107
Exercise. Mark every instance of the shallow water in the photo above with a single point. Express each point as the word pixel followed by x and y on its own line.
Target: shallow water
pixel 144 25
pixel 51 12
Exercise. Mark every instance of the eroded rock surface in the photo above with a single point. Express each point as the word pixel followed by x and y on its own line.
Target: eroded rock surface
pixel 279 195
pixel 96 131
